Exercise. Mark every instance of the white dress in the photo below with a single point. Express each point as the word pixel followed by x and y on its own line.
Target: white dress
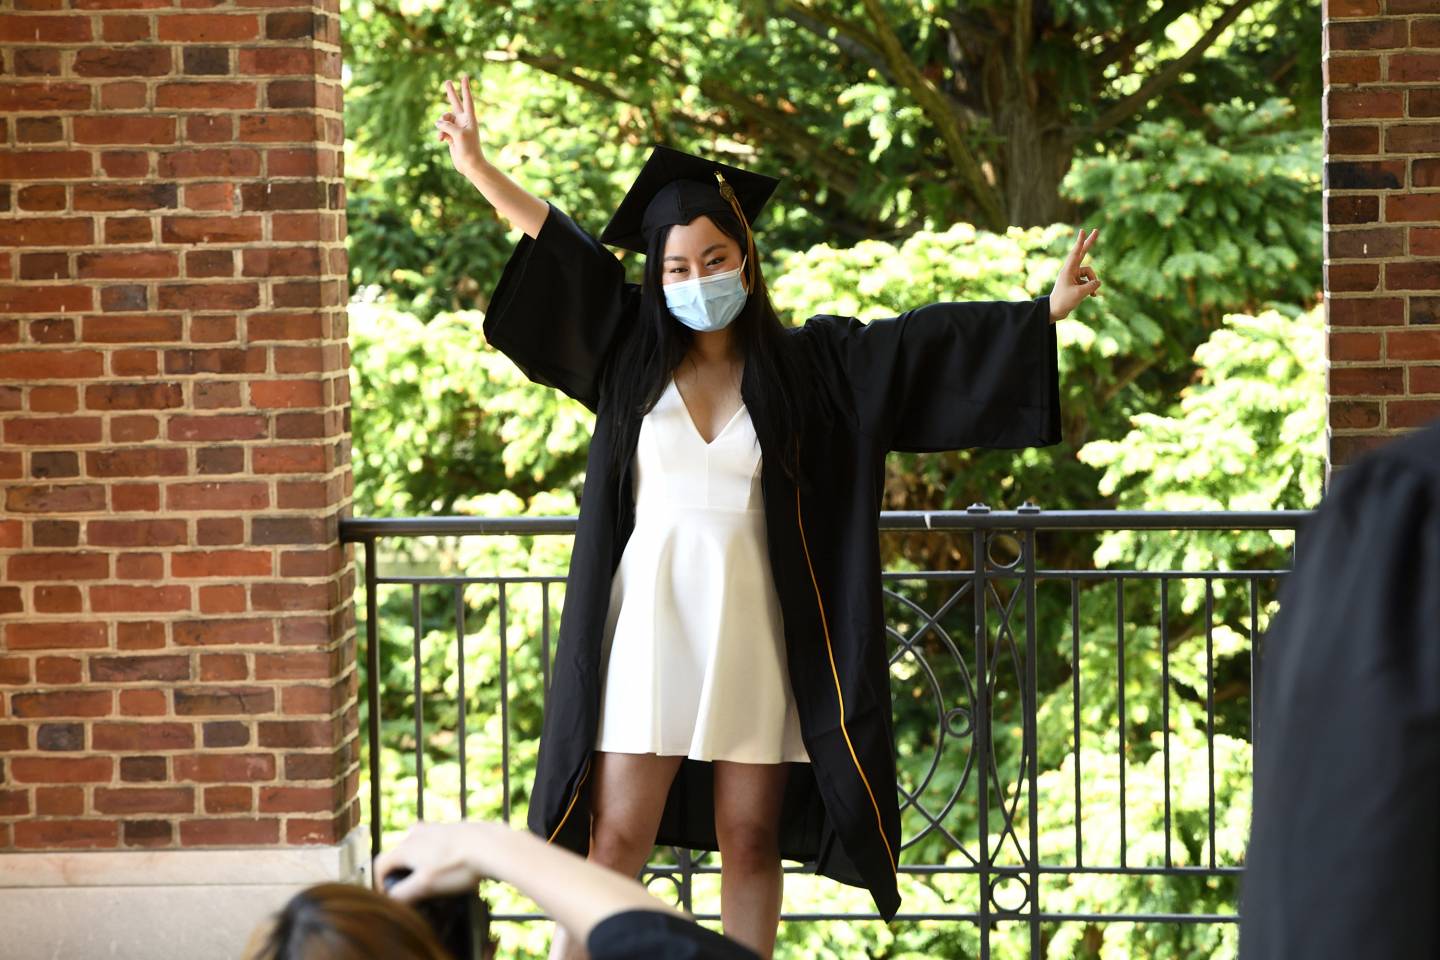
pixel 694 650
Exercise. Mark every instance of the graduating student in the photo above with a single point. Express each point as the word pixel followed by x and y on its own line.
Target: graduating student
pixel 721 677
pixel 1344 857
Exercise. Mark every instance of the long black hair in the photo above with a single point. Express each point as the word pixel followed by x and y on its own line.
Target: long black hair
pixel 639 371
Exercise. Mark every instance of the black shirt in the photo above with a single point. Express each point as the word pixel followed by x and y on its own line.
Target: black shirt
pixel 653 933
pixel 1344 857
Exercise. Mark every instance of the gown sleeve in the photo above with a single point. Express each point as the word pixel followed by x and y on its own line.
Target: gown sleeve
pixel 947 376
pixel 655 933
pixel 1344 855
pixel 560 306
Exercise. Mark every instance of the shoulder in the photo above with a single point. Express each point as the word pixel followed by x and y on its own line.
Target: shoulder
pixel 821 324
pixel 824 331
pixel 655 933
pixel 1418 451
pixel 1413 459
pixel 1384 500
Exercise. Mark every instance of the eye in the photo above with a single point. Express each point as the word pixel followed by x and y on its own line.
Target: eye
pixel 719 259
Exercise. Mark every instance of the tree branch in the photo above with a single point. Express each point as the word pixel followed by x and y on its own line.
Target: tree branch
pixel 936 107
pixel 862 46
pixel 854 34
pixel 559 69
pixel 1284 68
pixel 1020 41
pixel 1131 40
pixel 1128 372
pixel 839 169
pixel 802 145
pixel 1171 72
pixel 820 24
pixel 406 26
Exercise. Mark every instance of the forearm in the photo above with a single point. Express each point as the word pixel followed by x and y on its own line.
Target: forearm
pixel 512 201
pixel 574 892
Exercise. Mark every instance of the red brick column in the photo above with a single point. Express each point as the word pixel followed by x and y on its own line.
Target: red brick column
pixel 176 636
pixel 1382 219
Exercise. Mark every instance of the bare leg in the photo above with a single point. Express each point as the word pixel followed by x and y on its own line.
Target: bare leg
pixel 629 791
pixel 748 797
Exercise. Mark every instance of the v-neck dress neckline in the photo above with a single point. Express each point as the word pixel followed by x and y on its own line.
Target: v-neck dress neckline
pixel 693 654
pixel 690 417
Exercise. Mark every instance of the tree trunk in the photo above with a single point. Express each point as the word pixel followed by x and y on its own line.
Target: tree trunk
pixel 1013 111
pixel 1031 164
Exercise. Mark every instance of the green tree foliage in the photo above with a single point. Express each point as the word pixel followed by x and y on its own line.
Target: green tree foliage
pixel 1190 230
pixel 1210 222
pixel 439 417
pixel 1248 434
pixel 884 117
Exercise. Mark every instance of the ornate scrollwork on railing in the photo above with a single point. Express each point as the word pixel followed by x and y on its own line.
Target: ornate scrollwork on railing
pixel 980 656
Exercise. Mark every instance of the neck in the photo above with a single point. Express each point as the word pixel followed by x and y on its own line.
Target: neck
pixel 714 346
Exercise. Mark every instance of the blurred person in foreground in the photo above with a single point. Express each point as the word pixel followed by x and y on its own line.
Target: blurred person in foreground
pixel 612 915
pixel 1344 857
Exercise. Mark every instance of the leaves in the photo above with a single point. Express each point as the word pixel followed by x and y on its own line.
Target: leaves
pixel 438 416
pixel 571 95
pixel 1193 383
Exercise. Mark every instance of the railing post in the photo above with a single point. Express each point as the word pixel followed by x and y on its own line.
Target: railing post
pixel 1032 747
pixel 372 689
pixel 982 725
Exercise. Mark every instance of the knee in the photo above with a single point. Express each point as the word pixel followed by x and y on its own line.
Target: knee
pixel 749 845
pixel 618 843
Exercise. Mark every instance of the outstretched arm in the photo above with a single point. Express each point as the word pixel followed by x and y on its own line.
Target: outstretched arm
pixel 461 130
pixel 453 857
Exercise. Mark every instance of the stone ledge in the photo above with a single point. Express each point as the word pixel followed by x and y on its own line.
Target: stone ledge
pixel 347 860
pixel 158 904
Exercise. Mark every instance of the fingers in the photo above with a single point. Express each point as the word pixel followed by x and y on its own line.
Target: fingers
pixel 454 97
pixel 1082 246
pixel 1074 256
pixel 412 888
pixel 410 856
pixel 384 863
pixel 469 100
pixel 448 130
pixel 1074 249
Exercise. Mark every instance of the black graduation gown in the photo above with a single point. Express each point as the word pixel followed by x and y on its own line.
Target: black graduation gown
pixel 1344 856
pixel 944 376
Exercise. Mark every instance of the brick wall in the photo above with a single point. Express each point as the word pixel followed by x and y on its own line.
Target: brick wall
pixel 176 638
pixel 1382 218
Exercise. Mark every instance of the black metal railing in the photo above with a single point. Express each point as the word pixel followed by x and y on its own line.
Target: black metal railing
pixel 1057 724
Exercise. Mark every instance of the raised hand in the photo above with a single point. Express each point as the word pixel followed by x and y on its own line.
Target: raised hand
pixel 1077 280
pixel 459 128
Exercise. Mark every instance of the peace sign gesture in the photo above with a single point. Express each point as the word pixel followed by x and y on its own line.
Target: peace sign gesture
pixel 459 128
pixel 1076 281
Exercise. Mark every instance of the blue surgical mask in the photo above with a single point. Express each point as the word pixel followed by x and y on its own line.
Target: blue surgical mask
pixel 707 303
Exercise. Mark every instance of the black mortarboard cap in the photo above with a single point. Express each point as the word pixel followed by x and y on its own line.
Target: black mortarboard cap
pixel 676 187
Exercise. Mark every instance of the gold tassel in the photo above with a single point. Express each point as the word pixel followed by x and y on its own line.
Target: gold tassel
pixel 728 193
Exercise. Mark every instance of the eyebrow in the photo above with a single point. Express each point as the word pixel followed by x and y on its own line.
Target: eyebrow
pixel 676 256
